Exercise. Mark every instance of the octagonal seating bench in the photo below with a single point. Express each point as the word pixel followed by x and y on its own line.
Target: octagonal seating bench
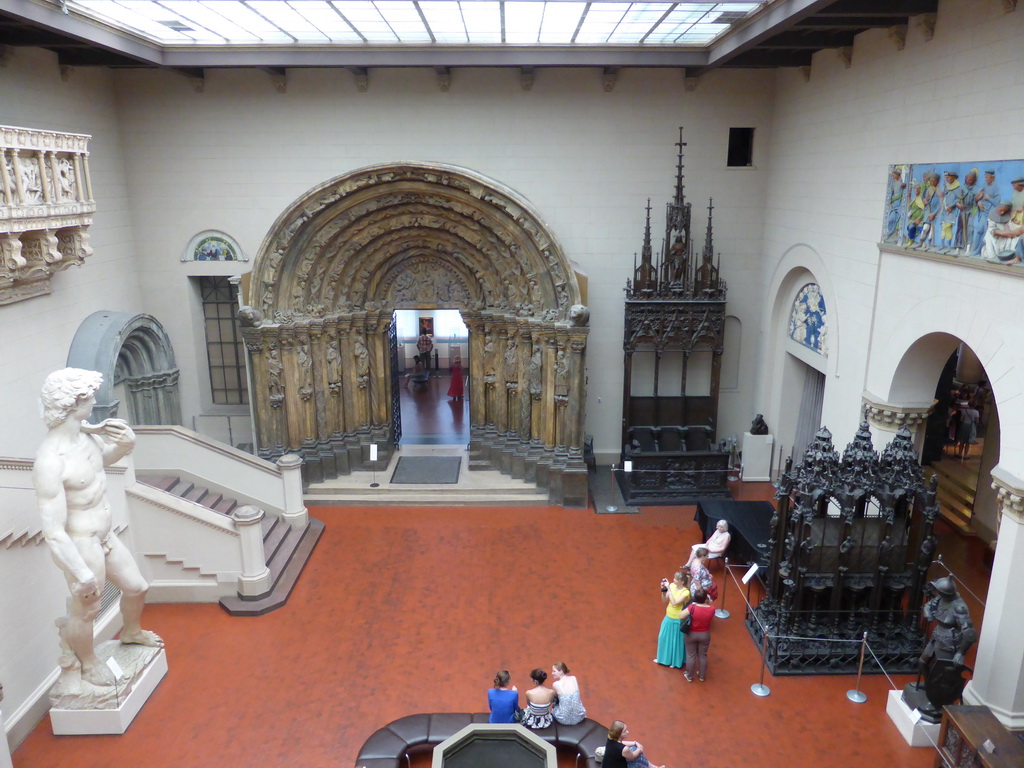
pixel 389 746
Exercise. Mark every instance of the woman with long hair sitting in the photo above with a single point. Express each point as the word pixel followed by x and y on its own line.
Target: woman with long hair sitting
pixel 622 753
pixel 568 708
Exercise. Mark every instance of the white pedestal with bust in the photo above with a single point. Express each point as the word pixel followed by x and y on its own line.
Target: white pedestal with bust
pixel 757 457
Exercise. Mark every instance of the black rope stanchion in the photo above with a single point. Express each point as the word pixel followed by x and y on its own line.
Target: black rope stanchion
pixel 721 613
pixel 857 695
pixel 760 689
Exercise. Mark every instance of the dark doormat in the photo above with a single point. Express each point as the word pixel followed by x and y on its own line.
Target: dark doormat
pixel 427 470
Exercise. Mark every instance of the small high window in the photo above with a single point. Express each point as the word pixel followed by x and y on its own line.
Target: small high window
pixel 741 147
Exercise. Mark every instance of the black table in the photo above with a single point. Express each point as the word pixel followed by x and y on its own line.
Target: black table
pixel 748 524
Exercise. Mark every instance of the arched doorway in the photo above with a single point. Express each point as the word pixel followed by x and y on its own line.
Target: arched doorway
pixel 938 363
pixel 344 256
pixel 135 356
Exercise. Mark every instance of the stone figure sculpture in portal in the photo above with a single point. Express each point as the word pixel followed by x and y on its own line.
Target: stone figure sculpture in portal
pixel 71 490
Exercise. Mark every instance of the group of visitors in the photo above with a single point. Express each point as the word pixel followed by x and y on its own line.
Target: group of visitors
pixel 561 702
pixel 686 628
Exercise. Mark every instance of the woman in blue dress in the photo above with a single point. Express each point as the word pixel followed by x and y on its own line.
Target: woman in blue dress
pixel 503 701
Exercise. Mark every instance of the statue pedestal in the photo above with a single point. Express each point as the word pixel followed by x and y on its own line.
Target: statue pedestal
pixel 81 709
pixel 757 457
pixel 916 734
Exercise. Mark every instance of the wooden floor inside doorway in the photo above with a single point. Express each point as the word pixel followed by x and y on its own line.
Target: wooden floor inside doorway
pixel 429 416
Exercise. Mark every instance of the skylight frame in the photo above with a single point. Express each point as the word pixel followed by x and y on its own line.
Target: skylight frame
pixel 228 24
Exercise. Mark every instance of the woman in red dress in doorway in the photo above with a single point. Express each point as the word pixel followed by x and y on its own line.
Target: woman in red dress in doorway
pixel 456 390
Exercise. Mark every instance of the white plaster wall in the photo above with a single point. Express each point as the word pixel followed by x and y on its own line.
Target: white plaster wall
pixel 234 156
pixel 833 138
pixel 38 332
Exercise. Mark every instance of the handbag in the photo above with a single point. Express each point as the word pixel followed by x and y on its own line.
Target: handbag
pixel 713 591
pixel 686 625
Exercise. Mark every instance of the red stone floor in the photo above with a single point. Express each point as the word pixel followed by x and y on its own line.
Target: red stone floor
pixel 405 610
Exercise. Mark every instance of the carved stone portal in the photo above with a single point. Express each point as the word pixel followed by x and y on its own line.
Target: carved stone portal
pixel 339 262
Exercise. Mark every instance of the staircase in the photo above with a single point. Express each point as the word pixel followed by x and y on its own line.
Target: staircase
pixel 958 483
pixel 287 549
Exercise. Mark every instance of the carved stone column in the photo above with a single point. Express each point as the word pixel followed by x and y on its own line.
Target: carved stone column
pixel 6 182
pixel 889 417
pixel 998 680
pixel 524 403
pixel 513 374
pixel 360 354
pixel 378 324
pixel 348 424
pixel 321 463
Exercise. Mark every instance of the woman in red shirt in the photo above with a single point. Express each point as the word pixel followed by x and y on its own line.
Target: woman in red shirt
pixel 701 612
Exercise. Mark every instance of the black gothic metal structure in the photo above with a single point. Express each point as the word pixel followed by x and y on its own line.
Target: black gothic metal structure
pixel 851 543
pixel 675 307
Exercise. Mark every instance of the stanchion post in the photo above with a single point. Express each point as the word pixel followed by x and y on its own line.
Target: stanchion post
pixel 721 613
pixel 612 506
pixel 857 695
pixel 760 689
pixel 373 465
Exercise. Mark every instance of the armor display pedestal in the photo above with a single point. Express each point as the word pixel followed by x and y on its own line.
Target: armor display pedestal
pixel 915 732
pixel 757 457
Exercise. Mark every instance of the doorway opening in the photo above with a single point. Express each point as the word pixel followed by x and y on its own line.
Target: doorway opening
pixel 962 444
pixel 432 359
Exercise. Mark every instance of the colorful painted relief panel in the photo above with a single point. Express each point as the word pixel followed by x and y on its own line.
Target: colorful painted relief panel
pixel 808 320
pixel 968 210
pixel 214 249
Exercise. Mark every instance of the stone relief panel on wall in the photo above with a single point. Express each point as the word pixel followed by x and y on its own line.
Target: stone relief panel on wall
pixel 46 208
pixel 808 320
pixel 426 281
pixel 970 210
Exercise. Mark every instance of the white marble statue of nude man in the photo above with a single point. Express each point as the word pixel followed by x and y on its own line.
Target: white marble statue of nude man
pixel 71 490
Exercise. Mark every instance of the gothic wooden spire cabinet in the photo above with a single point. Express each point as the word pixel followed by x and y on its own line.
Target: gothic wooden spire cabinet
pixel 673 342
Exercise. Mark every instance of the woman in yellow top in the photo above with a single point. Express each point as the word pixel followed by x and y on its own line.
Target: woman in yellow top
pixel 671 647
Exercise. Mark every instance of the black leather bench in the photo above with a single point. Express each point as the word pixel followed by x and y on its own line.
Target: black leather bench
pixel 389 746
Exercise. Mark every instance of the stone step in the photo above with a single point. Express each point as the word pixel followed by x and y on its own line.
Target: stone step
pixel 285 549
pixel 274 537
pixel 419 496
pixel 955 495
pixel 286 572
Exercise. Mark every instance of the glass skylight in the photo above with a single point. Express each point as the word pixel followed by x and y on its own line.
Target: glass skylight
pixel 228 23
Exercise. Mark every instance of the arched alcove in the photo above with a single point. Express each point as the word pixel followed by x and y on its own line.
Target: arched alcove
pixel 797 370
pixel 135 356
pixel 343 257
